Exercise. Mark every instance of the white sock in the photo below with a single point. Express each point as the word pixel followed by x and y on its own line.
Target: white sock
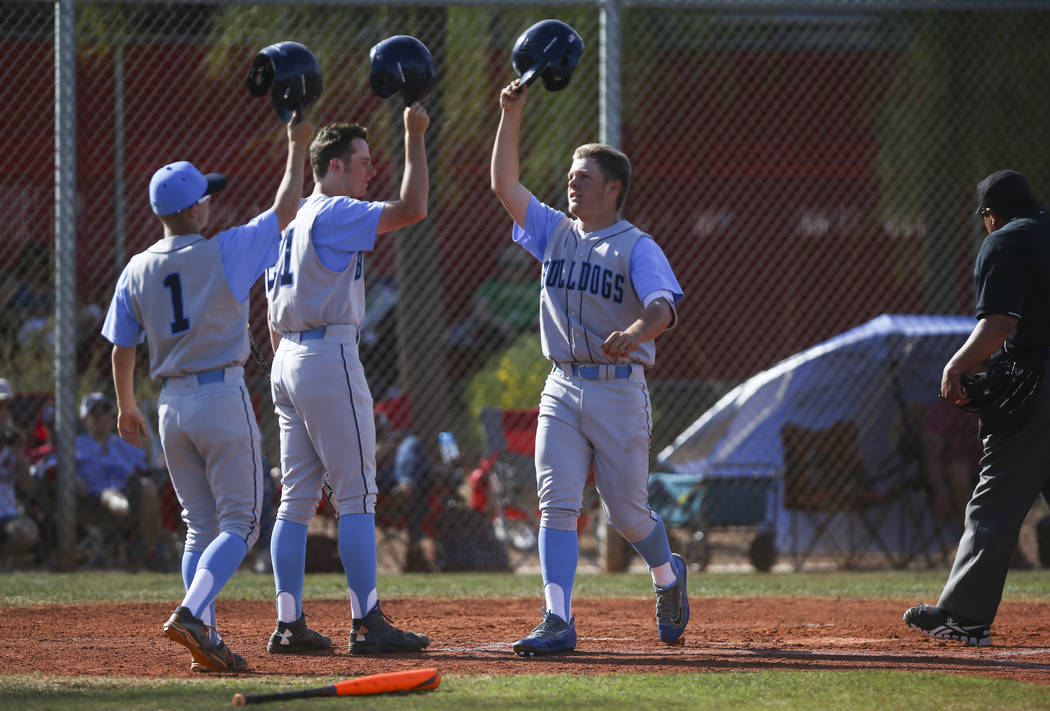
pixel 199 591
pixel 556 602
pixel 286 607
pixel 663 575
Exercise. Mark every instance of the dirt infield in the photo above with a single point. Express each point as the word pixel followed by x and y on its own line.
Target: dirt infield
pixel 473 637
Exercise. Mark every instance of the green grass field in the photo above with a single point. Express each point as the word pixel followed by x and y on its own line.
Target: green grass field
pixel 724 690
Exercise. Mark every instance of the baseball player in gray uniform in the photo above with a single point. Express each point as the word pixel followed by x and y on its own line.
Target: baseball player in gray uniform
pixel 317 303
pixel 188 295
pixel 606 292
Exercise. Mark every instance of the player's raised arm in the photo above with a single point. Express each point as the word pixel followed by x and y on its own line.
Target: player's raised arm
pixel 505 170
pixel 286 203
pixel 411 207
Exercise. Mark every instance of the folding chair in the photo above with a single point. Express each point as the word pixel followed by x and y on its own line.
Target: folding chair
pixel 825 479
pixel 509 447
pixel 509 482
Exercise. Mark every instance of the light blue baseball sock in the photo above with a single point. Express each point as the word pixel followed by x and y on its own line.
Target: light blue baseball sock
pixel 655 550
pixel 215 568
pixel 559 552
pixel 357 550
pixel 190 559
pixel 288 556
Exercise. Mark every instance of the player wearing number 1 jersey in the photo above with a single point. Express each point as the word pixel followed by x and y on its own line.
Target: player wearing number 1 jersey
pixel 188 295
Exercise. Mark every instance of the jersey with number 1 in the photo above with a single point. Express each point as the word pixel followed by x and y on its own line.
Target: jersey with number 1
pixel 189 295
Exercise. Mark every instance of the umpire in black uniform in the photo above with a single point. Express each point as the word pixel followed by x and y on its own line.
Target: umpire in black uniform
pixel 1012 277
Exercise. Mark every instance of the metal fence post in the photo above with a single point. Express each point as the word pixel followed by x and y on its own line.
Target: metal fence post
pixel 609 59
pixel 615 554
pixel 65 277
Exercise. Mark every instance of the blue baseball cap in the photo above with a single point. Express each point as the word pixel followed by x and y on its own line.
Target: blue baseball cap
pixel 177 186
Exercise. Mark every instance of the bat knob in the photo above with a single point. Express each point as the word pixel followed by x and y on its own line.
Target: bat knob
pixel 239 700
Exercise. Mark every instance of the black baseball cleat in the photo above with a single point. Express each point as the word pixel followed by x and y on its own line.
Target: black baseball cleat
pixel 373 634
pixel 551 636
pixel 296 638
pixel 190 632
pixel 935 622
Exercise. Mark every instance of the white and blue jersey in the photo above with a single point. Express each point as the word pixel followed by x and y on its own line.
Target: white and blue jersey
pixel 189 296
pixel 318 279
pixel 592 283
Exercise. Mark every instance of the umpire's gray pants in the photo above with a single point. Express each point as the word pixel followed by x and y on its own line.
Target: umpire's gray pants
pixel 1015 468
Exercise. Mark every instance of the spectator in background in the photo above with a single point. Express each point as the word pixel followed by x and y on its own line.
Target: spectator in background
pixel 404 478
pixel 113 477
pixel 31 306
pixel 115 491
pixel 18 532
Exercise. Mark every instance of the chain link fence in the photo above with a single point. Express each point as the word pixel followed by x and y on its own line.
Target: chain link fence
pixel 808 167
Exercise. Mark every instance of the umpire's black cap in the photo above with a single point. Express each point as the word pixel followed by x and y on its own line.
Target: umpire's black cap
pixel 1003 189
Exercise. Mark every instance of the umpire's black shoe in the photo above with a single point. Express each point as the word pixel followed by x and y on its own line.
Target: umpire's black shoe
pixel 193 634
pixel 296 638
pixel 935 622
pixel 373 634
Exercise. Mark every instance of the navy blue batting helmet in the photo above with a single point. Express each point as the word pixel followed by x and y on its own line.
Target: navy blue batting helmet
pixel 550 50
pixel 402 63
pixel 290 73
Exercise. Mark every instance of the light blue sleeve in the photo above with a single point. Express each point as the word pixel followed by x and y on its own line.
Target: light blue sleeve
pixel 345 226
pixel 650 270
pixel 248 250
pixel 121 328
pixel 540 221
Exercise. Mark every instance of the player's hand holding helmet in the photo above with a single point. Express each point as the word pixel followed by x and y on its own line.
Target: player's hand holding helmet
pixel 550 50
pixel 513 96
pixel 402 63
pixel 290 73
pixel 416 119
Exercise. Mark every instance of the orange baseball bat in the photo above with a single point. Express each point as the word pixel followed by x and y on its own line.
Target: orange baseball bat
pixel 390 682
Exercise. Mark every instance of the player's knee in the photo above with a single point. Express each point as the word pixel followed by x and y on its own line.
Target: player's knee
pixel 356 505
pixel 252 538
pixel 297 510
pixel 632 527
pixel 200 536
pixel 559 519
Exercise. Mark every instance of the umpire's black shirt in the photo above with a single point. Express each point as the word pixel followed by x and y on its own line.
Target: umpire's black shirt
pixel 1012 275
